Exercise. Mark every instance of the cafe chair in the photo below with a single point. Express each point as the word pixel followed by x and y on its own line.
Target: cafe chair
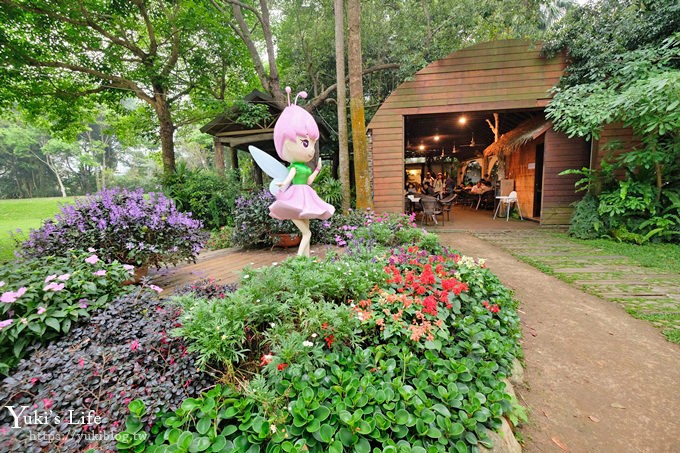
pixel 431 208
pixel 447 204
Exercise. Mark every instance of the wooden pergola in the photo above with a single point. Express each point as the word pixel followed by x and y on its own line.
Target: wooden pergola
pixel 232 136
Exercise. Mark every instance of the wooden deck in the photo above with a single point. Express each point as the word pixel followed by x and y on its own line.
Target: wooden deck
pixel 224 265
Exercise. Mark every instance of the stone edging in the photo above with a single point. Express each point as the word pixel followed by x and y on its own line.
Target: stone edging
pixel 504 440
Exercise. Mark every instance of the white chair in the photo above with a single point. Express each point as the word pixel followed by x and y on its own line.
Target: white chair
pixel 508 202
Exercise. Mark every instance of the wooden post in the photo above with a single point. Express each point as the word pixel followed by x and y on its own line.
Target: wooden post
pixel 234 158
pixel 219 156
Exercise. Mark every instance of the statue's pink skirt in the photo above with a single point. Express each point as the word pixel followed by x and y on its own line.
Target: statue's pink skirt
pixel 300 201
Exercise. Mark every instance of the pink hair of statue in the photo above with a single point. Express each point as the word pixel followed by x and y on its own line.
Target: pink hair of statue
pixel 294 122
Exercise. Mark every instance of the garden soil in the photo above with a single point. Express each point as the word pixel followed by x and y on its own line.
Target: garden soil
pixel 595 379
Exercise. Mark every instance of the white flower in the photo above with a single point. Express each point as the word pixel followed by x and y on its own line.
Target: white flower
pixel 272 428
pixel 314 335
pixel 272 325
pixel 246 276
pixel 308 344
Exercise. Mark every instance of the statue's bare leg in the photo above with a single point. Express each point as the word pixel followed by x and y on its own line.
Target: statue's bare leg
pixel 303 226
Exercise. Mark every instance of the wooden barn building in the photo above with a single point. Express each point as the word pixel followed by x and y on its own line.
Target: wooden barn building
pixel 481 107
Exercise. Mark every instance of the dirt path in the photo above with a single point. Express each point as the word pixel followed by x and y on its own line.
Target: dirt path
pixel 597 380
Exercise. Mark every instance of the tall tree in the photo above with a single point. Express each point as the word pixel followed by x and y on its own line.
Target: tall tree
pixel 56 54
pixel 343 146
pixel 356 106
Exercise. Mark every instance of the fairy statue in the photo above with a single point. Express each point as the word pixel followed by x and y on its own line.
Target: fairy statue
pixel 295 136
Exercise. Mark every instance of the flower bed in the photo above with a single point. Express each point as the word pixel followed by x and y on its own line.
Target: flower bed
pixel 81 385
pixel 401 349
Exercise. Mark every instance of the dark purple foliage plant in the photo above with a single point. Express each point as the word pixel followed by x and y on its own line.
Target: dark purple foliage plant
pixel 132 227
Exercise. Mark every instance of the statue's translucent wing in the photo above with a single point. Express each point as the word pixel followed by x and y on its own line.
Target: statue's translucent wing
pixel 271 166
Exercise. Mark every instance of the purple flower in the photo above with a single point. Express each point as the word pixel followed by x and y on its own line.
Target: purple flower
pixel 92 259
pixel 5 323
pixel 83 304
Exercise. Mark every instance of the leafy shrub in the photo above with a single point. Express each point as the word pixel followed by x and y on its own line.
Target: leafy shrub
pixel 130 227
pixel 123 354
pixel 586 222
pixel 206 289
pixel 328 188
pixel 207 196
pixel 268 309
pixel 252 222
pixel 220 238
pixel 43 297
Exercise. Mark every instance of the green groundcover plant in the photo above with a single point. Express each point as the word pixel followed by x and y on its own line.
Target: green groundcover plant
pixel 399 349
pixel 42 298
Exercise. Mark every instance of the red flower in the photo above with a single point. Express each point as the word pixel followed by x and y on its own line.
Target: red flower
pixel 48 403
pixel 421 290
pixel 266 359
pixel 281 366
pixel 324 325
pixel 430 305
pixel 329 340
pixel 34 380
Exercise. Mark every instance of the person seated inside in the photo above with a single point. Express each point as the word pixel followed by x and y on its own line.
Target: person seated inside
pixel 427 189
pixel 411 189
pixel 438 185
pixel 480 188
pixel 485 180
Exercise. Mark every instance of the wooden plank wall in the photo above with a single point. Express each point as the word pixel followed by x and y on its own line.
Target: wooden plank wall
pixel 561 153
pixel 517 168
pixel 615 139
pixel 492 76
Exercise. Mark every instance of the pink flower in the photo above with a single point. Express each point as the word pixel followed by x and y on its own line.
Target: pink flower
pixel 34 380
pixel 12 296
pixel 92 259
pixel 2 284
pixel 134 345
pixel 49 278
pixel 91 250
pixel 8 297
pixel 83 304
pixel 47 402
pixel 41 310
pixel 81 362
pixel 158 289
pixel 5 323
pixel 100 273
pixel 54 287
pixel 128 267
pixel 64 277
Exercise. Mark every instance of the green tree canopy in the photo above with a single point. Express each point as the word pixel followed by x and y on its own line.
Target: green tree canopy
pixel 59 56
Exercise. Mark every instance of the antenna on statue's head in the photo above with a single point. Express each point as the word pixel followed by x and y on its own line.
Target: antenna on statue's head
pixel 288 93
pixel 301 94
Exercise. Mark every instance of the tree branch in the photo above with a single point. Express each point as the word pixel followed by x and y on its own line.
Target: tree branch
pixel 314 103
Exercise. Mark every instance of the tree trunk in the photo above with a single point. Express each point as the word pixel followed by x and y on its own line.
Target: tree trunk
pixel 62 189
pixel 356 107
pixel 343 147
pixel 219 156
pixel 167 130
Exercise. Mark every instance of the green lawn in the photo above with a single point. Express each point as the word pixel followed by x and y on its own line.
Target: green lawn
pixel 24 214
pixel 664 257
